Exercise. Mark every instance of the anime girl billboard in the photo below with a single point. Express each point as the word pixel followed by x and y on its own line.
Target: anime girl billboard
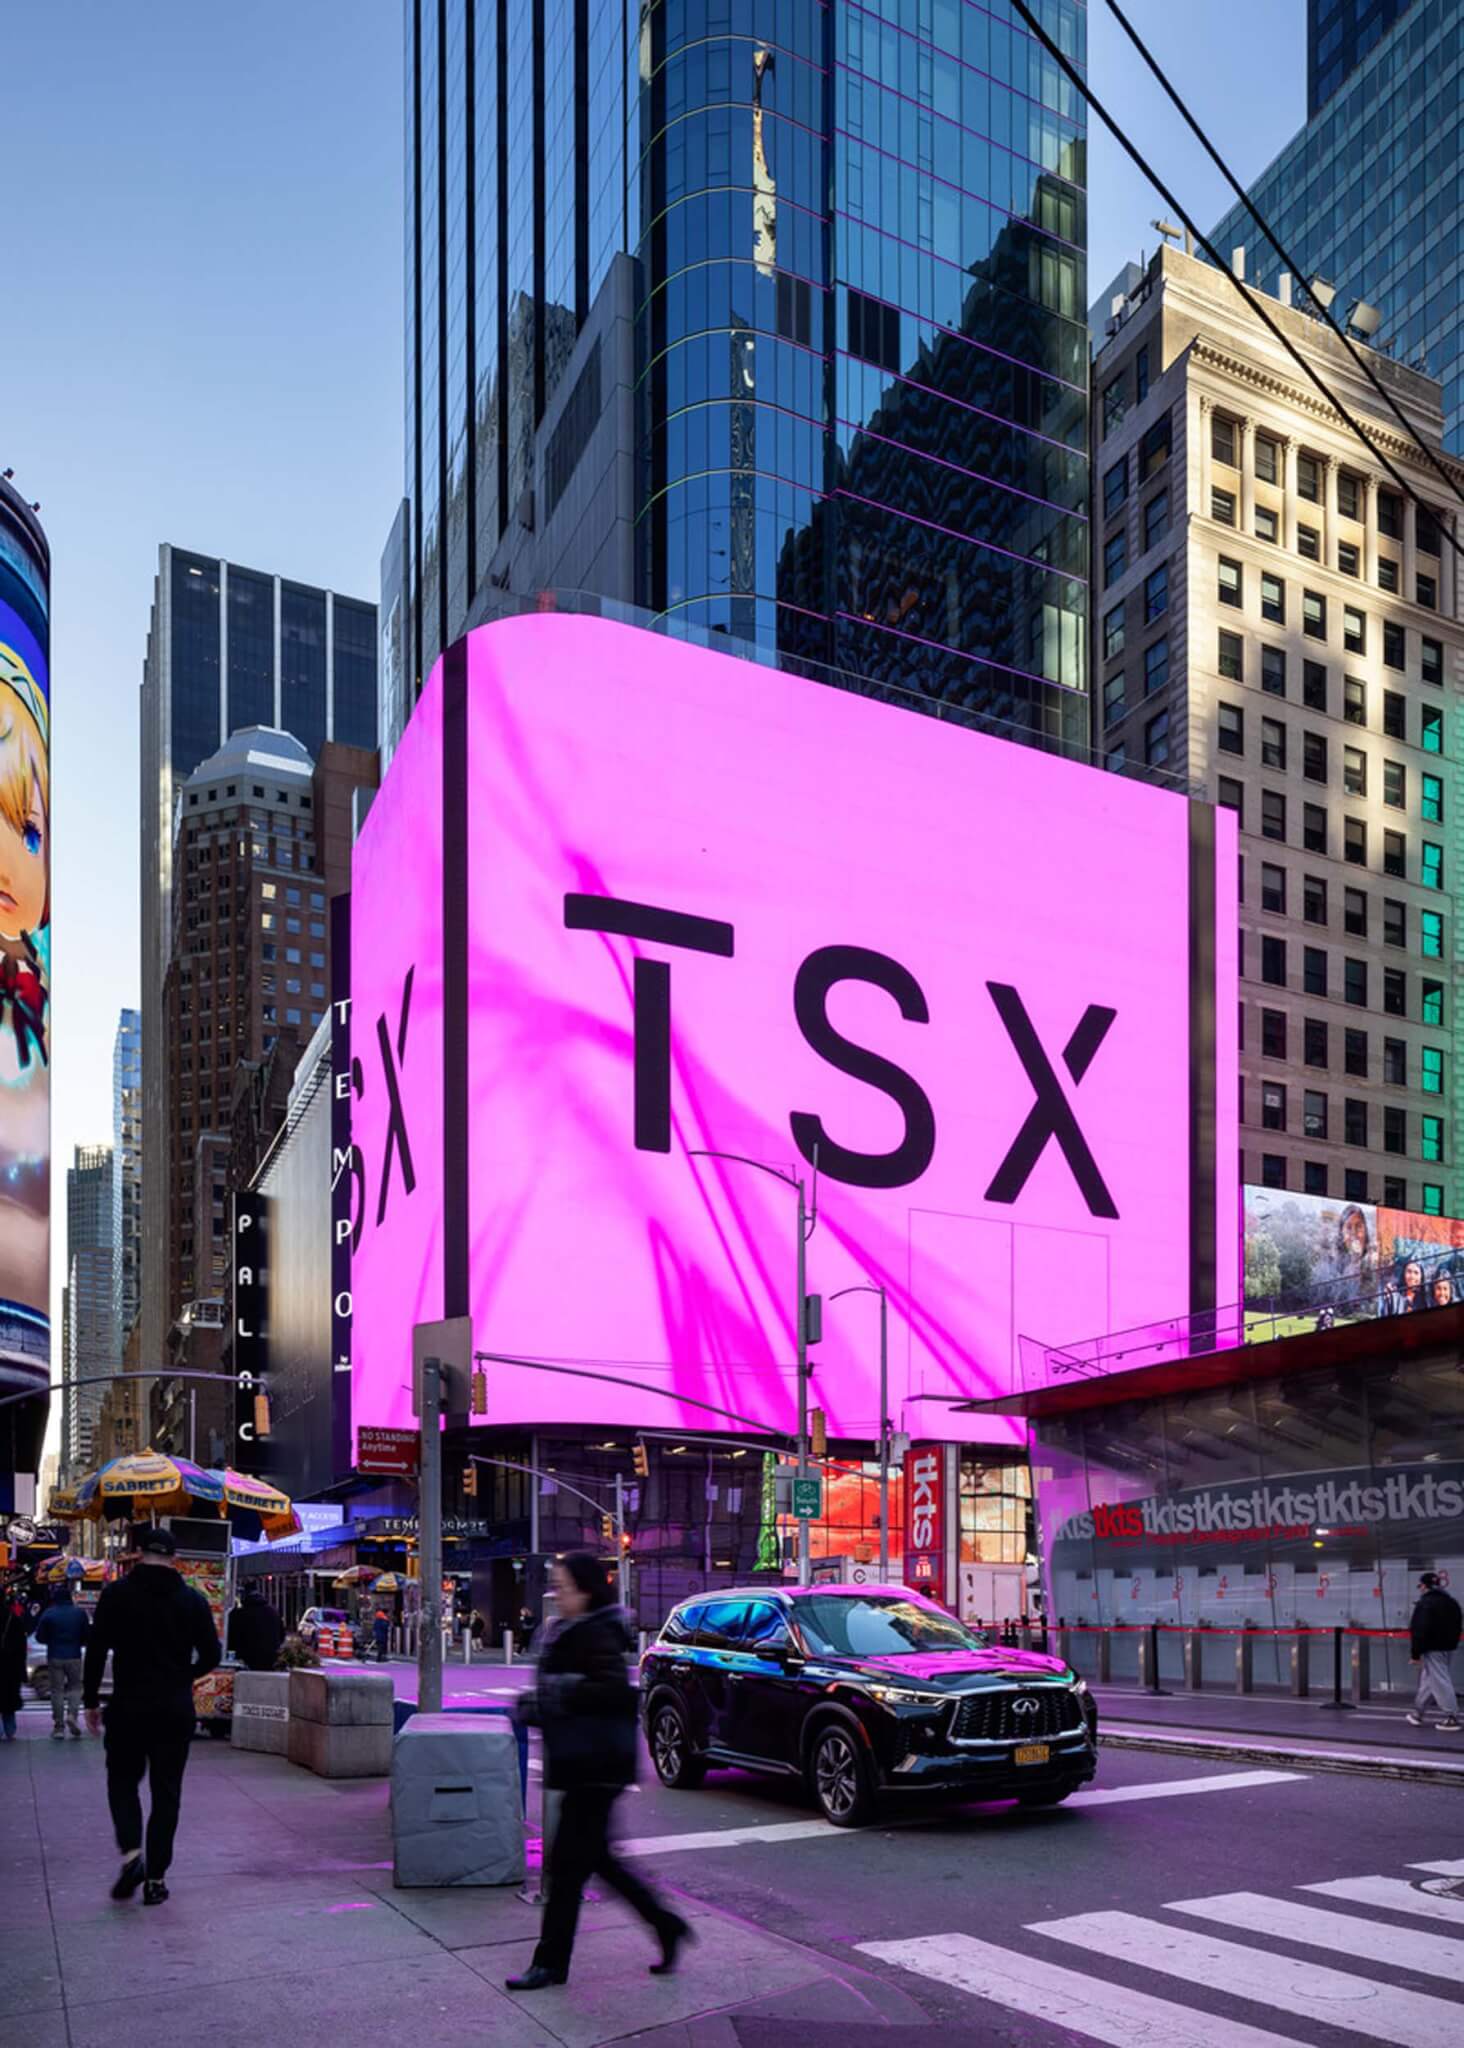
pixel 25 981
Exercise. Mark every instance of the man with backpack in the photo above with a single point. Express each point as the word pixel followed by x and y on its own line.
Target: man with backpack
pixel 1434 1631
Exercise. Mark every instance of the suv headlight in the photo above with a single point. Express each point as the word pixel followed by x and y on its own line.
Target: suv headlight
pixel 1080 1686
pixel 902 1695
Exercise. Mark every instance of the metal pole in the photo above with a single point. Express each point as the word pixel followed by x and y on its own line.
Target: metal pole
pixel 884 1440
pixel 193 1424
pixel 429 1537
pixel 622 1563
pixel 804 1566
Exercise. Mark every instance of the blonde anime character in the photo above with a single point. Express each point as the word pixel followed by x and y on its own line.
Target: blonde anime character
pixel 25 869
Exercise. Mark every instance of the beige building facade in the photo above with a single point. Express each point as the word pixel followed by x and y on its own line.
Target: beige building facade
pixel 1275 621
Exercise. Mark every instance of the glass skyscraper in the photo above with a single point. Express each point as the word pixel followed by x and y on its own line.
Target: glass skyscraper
pixel 1339 34
pixel 856 238
pixel 1370 195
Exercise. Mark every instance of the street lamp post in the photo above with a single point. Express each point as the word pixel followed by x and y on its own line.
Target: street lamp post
pixel 807 1224
pixel 866 1287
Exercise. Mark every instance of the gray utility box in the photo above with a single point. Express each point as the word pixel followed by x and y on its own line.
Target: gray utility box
pixel 340 1723
pixel 261 1711
pixel 457 1814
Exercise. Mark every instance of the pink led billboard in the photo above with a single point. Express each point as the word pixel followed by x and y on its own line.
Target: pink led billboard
pixel 681 902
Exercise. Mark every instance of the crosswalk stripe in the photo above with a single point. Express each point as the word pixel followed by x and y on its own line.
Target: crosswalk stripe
pixel 1067 1998
pixel 725 1838
pixel 1174 1788
pixel 1311 1991
pixel 1440 1869
pixel 1396 1893
pixel 1346 1934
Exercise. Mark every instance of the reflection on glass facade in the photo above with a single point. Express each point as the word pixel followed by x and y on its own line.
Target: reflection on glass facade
pixel 1312 1500
pixel 251 648
pixel 861 342
pixel 302 665
pixel 1339 34
pixel 1368 196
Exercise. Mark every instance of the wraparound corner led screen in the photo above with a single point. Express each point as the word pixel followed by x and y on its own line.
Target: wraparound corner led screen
pixel 622 901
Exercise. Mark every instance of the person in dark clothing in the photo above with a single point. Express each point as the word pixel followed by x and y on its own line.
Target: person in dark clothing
pixel 1434 1635
pixel 63 1628
pixel 162 1637
pixel 255 1631
pixel 14 1629
pixel 380 1633
pixel 586 1708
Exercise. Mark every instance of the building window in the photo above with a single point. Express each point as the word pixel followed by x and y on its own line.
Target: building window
pixel 1395 785
pixel 1431 934
pixel 1395 1192
pixel 1354 913
pixel 1273 671
pixel 1113 633
pixel 1273 961
pixel 1232 729
pixel 1354 1121
pixel 1314 1037
pixel 1433 1199
pixel 1395 992
pixel 1156 594
pixel 1115 402
pixel 1231 583
pixel 1309 543
pixel 1273 1106
pixel 1222 507
pixel 1156 519
pixel 1388 575
pixel 1314 756
pixel 1115 555
pixel 1395 715
pixel 1354 772
pixel 1431 661
pixel 1115 487
pixel 1156 666
pixel 1314 685
pixel 1113 699
pixel 1314 1113
pixel 1313 969
pixel 1314 828
pixel 1428 593
pixel 1430 729
pixel 1354 1054
pixel 1222 440
pixel 1267 527
pixel 1273 815
pixel 1390 514
pixel 1314 1177
pixel 1313 615
pixel 1354 700
pixel 1273 1034
pixel 1395 1128
pixel 1354 630
pixel 1156 740
pixel 1431 1070
pixel 1431 804
pixel 1273 744
pixel 1231 656
pixel 1141 375
pixel 1273 600
pixel 1348 494
pixel 1354 983
pixel 1309 478
pixel 1395 855
pixel 1431 866
pixel 1154 449
pixel 1354 1185
pixel 1273 1170
pixel 1347 558
pixel 1431 1003
pixel 1266 458
pixel 1395 922
pixel 1395 1062
pixel 1116 757
pixel 1314 899
pixel 874 331
pixel 1394 640
pixel 1231 797
pixel 1432 1147
pixel 1273 887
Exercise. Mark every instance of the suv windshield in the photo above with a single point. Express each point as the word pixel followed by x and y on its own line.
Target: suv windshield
pixel 843 1627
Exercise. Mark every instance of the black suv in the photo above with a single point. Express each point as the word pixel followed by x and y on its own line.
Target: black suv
pixel 858 1691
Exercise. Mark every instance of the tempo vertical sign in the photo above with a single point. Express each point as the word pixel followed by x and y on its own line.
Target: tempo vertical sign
pixel 346 1212
pixel 925 1518
pixel 250 1339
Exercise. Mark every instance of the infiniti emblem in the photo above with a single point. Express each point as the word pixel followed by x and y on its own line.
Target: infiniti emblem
pixel 1026 1705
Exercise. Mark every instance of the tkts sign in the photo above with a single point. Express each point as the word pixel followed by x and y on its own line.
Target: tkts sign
pixel 925 1518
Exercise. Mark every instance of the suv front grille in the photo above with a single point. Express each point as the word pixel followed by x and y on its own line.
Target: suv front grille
pixel 994 1716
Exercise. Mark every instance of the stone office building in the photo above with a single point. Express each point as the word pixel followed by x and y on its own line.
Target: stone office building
pixel 1279 623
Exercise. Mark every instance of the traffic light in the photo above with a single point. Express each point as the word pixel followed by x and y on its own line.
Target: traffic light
pixel 607 1530
pixel 261 1415
pixel 480 1391
pixel 470 1479
pixel 819 1433
pixel 642 1462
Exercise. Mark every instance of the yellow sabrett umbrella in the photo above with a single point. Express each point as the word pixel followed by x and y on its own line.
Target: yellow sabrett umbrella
pixel 354 1575
pixel 80 1571
pixel 147 1483
pixel 64 1505
pixel 251 1503
pixel 389 1582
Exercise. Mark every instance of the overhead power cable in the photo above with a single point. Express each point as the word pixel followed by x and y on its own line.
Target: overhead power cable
pixel 1358 356
pixel 1252 300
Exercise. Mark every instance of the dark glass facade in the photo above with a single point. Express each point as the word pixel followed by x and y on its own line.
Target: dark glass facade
pixel 861 344
pixel 302 665
pixel 251 648
pixel 1339 34
pixel 194 675
pixel 354 661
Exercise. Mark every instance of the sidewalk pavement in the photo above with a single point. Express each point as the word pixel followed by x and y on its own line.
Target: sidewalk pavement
pixel 284 1923
pixel 1374 1738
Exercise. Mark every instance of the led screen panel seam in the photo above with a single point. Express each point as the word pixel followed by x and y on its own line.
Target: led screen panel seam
pixel 619 903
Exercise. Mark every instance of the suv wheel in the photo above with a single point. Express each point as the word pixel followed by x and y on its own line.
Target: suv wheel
pixel 671 1752
pixel 840 1777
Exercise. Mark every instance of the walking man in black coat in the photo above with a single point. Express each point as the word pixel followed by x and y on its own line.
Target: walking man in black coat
pixel 255 1631
pixel 586 1708
pixel 162 1637
pixel 1434 1632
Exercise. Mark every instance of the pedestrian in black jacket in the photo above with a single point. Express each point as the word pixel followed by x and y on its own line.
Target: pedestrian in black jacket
pixel 1434 1636
pixel 162 1637
pixel 255 1631
pixel 586 1707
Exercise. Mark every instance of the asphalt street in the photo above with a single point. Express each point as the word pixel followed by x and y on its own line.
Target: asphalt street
pixel 1175 1902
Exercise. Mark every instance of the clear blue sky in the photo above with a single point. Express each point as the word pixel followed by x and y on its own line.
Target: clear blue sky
pixel 203 244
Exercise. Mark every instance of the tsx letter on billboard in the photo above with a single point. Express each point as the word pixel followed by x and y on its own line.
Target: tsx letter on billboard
pixel 623 901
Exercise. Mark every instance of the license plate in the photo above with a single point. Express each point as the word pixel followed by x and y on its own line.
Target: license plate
pixel 1031 1753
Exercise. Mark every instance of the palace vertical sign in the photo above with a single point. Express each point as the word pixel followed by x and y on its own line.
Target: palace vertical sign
pixel 925 1518
pixel 250 1340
